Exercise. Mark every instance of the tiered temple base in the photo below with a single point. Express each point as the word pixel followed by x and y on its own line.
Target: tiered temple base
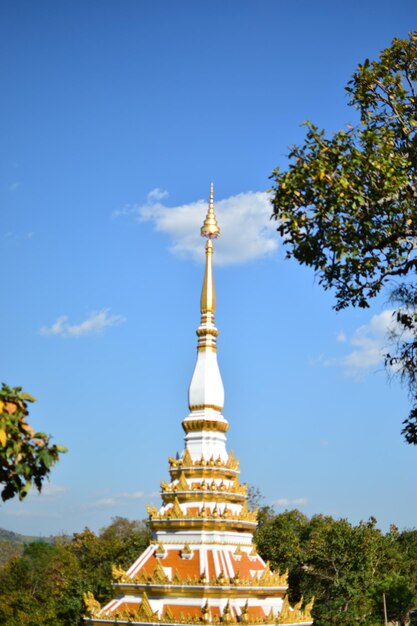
pixel 201 567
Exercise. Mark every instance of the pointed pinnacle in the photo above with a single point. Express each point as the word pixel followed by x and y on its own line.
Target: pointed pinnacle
pixel 210 228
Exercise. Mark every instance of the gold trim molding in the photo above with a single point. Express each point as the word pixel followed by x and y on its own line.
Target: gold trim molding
pixel 186 462
pixel 201 407
pixel 202 424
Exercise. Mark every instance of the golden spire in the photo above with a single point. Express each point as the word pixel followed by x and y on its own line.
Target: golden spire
pixel 206 393
pixel 208 294
pixel 211 230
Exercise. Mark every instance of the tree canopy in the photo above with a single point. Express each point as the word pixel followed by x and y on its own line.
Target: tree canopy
pixel 44 586
pixel 346 206
pixel 26 456
pixel 346 567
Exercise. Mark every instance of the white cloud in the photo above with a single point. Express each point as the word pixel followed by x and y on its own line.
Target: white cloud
pixel 102 502
pixel 117 499
pixel 57 328
pixel 293 502
pixel 128 209
pixel 49 490
pixel 370 343
pixel 29 514
pixel 157 194
pixel 94 324
pixel 247 232
pixel 18 238
pixel 341 337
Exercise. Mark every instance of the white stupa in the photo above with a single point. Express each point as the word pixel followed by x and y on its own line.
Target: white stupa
pixel 201 566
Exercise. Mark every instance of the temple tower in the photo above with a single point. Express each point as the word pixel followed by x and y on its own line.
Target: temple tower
pixel 201 566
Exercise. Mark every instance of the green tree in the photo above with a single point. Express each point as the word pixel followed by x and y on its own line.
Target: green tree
pixel 26 456
pixel 399 597
pixel 342 565
pixel 347 204
pixel 42 588
pixel 45 585
pixel 256 501
pixel 347 568
pixel 280 541
pixel 119 544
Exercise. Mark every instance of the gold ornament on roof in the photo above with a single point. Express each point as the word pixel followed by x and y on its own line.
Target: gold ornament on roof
pixel 203 577
pixel 176 578
pixel 167 616
pixel 186 552
pixel 182 484
pixel 160 551
pixel 244 613
pixel 295 615
pixel 227 616
pixel 158 575
pixel 92 605
pixel 236 578
pixel 307 610
pixel 186 460
pixel 145 611
pixel 119 575
pixel 221 579
pixel 253 553
pixel 152 511
pixel 285 615
pixel 237 554
pixel 176 510
pixel 205 613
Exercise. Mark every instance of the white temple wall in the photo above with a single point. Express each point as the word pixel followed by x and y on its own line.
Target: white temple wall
pixel 206 387
pixel 206 443
pixel 204 536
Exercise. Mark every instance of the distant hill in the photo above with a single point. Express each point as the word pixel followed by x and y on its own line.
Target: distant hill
pixel 12 544
pixel 9 535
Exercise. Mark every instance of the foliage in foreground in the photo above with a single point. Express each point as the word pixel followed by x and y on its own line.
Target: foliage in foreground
pixel 346 567
pixel 347 204
pixel 45 585
pixel 26 456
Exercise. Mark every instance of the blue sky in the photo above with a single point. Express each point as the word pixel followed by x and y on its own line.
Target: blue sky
pixel 115 118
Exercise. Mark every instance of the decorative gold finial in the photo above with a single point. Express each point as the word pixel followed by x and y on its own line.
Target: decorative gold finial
pixel 210 228
pixel 92 605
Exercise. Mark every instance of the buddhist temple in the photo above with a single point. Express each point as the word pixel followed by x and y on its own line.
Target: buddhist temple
pixel 201 566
